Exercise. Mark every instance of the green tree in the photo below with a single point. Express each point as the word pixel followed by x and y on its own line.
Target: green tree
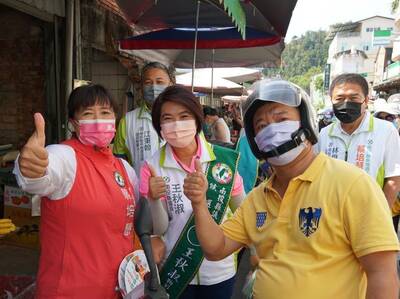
pixel 319 84
pixel 303 57
pixel 305 79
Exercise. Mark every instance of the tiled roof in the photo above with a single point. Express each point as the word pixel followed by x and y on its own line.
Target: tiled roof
pixel 350 26
pixel 347 52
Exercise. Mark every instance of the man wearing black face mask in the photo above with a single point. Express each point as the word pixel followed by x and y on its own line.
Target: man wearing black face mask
pixel 359 138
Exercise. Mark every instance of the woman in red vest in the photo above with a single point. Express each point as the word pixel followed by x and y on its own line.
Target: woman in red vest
pixel 88 200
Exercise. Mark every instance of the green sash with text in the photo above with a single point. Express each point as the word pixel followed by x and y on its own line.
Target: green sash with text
pixel 186 256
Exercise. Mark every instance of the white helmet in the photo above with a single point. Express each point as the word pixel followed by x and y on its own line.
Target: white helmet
pixel 284 92
pixel 380 105
pixel 394 102
pixel 394 98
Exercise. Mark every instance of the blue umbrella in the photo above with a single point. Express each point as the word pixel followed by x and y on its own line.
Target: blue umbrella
pixel 216 47
pixel 207 38
pixel 211 47
pixel 270 16
pixel 266 15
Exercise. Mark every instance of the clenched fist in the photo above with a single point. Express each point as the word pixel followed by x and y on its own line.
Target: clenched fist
pixel 157 186
pixel 33 160
pixel 195 185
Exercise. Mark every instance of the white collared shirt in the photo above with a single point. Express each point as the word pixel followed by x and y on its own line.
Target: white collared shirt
pixel 180 209
pixel 60 174
pixel 141 138
pixel 374 146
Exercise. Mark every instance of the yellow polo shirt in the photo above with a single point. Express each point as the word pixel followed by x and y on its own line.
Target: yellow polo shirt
pixel 309 240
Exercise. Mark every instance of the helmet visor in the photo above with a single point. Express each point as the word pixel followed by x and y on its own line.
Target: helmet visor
pixel 280 93
pixel 273 90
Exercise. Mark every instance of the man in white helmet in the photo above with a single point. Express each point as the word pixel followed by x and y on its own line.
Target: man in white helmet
pixel 321 227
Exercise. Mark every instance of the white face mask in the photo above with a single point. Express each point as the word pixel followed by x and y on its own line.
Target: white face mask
pixel 275 135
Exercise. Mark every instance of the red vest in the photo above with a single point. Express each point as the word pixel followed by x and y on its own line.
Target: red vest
pixel 85 235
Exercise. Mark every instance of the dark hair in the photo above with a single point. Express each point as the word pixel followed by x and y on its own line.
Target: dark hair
pixel 89 95
pixel 207 110
pixel 157 65
pixel 350 78
pixel 180 95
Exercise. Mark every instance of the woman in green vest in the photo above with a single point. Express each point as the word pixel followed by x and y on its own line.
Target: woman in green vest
pixel 165 179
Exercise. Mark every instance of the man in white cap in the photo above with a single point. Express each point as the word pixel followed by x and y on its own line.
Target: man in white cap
pixel 394 102
pixel 389 111
pixel 321 227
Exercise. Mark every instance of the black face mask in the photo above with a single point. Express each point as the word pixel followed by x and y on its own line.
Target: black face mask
pixel 347 112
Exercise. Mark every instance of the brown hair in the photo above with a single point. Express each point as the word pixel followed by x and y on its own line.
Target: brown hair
pixel 180 95
pixel 89 95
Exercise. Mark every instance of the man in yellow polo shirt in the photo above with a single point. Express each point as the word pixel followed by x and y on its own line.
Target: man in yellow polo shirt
pixel 321 227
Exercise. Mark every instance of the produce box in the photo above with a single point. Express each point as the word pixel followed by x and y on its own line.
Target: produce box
pixel 18 207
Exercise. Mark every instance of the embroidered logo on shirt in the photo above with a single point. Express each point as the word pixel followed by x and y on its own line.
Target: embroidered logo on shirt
pixel 119 179
pixel 309 220
pixel 260 218
pixel 222 173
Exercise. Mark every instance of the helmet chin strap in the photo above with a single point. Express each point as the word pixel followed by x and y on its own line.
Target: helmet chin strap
pixel 298 138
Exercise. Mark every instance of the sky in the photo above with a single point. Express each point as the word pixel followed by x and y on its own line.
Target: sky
pixel 319 14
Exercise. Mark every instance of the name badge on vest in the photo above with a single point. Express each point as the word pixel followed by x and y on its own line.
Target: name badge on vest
pixel 119 179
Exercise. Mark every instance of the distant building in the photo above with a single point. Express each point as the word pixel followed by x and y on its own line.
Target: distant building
pixel 349 61
pixel 396 38
pixel 355 45
pixel 387 64
pixel 382 62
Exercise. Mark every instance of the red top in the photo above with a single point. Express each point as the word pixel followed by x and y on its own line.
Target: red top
pixel 85 235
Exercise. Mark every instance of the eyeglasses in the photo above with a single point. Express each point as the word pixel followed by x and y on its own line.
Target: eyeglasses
pixel 388 117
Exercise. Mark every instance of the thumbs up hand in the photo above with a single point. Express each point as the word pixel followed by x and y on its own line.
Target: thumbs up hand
pixel 157 186
pixel 195 185
pixel 33 160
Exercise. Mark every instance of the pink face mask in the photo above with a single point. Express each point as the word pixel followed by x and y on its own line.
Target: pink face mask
pixel 179 133
pixel 98 132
